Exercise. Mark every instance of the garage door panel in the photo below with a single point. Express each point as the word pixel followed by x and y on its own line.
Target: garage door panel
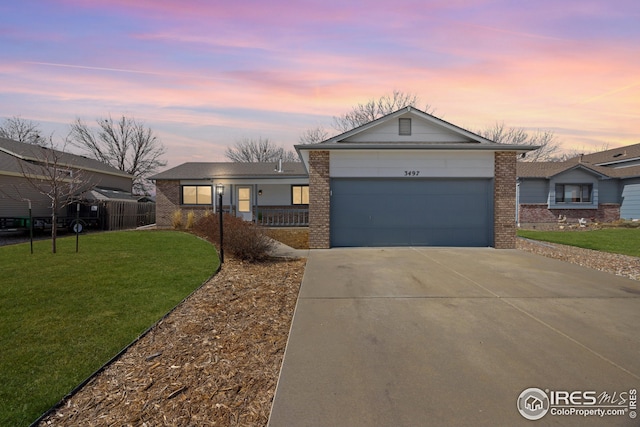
pixel 427 212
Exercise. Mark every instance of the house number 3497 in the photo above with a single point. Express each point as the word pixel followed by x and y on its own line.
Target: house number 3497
pixel 411 173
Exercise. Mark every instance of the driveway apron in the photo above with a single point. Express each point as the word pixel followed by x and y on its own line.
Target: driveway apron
pixel 452 336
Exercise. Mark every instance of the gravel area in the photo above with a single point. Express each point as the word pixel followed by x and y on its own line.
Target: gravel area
pixel 621 265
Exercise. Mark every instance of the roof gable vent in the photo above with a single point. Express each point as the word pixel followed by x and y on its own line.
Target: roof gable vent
pixel 404 126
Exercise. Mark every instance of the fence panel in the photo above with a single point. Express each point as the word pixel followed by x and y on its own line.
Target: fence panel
pixel 123 215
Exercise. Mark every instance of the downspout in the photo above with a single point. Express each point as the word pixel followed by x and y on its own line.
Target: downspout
pixel 518 203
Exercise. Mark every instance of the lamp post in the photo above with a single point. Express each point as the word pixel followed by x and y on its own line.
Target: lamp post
pixel 220 192
pixel 30 226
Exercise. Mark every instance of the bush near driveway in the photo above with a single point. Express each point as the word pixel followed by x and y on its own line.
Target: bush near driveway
pixel 64 315
pixel 243 239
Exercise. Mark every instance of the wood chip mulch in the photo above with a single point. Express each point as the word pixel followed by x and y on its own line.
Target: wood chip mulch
pixel 621 265
pixel 213 361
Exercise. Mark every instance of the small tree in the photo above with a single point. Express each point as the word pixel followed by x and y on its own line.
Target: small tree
pixel 546 139
pixel 250 150
pixel 22 130
pixel 125 144
pixel 50 173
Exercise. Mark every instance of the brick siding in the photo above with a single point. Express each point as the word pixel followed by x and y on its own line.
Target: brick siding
pixel 538 215
pixel 319 200
pixel 504 200
pixel 167 201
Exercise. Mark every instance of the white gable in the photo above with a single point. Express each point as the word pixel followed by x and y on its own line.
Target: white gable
pixel 422 130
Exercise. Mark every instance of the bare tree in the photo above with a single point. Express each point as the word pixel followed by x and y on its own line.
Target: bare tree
pixel 22 130
pixel 314 135
pixel 375 108
pixel 546 139
pixel 250 150
pixel 125 144
pixel 50 173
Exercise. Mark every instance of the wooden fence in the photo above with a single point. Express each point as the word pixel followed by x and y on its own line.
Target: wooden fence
pixel 123 215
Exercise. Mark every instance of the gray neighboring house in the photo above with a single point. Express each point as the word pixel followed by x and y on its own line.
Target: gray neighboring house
pixel 599 187
pixel 267 193
pixel 107 184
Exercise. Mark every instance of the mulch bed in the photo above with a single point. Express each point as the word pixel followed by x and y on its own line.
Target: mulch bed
pixel 213 361
pixel 297 238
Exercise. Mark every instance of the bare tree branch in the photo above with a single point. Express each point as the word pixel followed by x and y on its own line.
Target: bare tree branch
pixel 314 135
pixel 375 108
pixel 546 139
pixel 22 130
pixel 250 150
pixel 575 152
pixel 125 144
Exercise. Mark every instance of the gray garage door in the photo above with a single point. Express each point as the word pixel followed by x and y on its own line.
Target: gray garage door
pixel 415 212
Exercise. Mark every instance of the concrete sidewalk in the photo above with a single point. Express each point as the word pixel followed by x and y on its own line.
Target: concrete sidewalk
pixel 452 336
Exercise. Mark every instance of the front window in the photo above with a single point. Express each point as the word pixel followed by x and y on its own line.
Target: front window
pixel 573 193
pixel 196 195
pixel 300 194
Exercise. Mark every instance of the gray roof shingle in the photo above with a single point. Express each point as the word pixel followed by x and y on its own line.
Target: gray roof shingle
pixel 11 150
pixel 208 170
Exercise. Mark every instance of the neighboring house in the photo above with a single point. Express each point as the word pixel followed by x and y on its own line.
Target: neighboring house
pixel 267 193
pixel 410 178
pixel 104 184
pixel 599 187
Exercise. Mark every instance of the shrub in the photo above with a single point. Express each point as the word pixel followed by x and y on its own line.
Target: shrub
pixel 191 219
pixel 242 239
pixel 176 219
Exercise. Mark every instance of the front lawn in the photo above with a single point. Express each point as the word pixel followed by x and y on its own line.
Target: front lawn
pixel 64 315
pixel 624 241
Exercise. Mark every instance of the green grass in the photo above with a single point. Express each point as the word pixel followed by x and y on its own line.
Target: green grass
pixel 616 240
pixel 64 315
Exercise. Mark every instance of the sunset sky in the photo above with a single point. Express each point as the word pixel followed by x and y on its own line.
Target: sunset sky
pixel 204 74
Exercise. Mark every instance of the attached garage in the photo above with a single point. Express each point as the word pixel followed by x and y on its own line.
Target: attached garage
pixel 411 179
pixel 420 212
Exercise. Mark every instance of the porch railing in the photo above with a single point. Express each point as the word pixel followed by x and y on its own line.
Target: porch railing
pixel 279 217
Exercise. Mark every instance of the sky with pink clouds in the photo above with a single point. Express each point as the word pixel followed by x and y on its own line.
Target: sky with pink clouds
pixel 204 74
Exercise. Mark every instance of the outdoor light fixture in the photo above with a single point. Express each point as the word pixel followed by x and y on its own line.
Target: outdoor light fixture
pixel 219 189
pixel 220 192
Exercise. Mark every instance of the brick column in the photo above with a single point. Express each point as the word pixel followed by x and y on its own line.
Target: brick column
pixel 319 200
pixel 167 201
pixel 504 200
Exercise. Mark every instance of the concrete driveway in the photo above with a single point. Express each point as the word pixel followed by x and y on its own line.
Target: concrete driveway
pixel 453 336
